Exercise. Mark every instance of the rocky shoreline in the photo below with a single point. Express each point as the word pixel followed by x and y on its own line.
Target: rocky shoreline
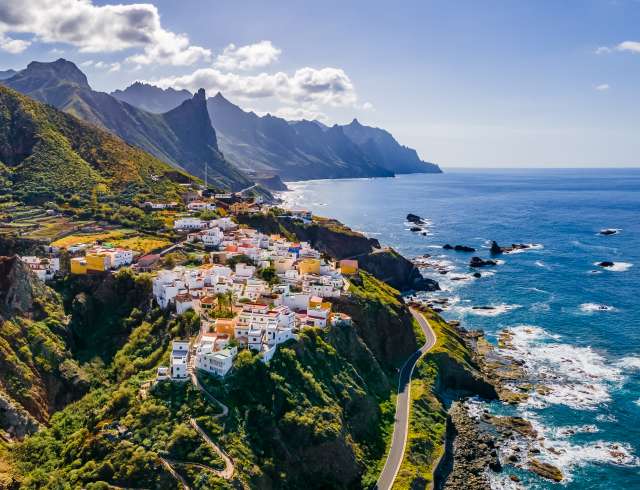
pixel 480 445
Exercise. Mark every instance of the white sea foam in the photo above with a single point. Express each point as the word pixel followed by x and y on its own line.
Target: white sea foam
pixel 493 310
pixel 595 307
pixel 500 481
pixel 629 362
pixel 539 263
pixel 568 431
pixel 577 377
pixel 537 290
pixel 637 402
pixel 556 447
pixel 540 306
pixel 617 266
pixel 530 247
pixel 606 418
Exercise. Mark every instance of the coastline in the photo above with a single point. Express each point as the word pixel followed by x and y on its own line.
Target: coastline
pixel 568 367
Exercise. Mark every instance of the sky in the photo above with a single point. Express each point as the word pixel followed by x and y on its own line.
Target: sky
pixel 498 83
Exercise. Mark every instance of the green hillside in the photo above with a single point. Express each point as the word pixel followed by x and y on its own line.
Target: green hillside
pixel 46 154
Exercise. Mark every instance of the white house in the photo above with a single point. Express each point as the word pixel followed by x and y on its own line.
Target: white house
pixel 211 237
pixel 201 206
pixel 215 361
pixel 184 302
pixel 190 223
pixel 225 224
pixel 44 268
pixel 179 360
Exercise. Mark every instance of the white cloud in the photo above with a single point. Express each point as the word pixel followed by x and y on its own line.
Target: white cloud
pixel 13 46
pixel 101 65
pixel 367 106
pixel 603 87
pixel 631 46
pixel 247 57
pixel 299 113
pixel 97 29
pixel 330 86
pixel 602 50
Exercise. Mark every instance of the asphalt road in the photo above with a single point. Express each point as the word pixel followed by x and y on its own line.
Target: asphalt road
pixel 403 405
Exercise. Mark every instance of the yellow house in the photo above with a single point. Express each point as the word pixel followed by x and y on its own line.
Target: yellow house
pixel 309 266
pixel 348 266
pixel 98 261
pixel 225 326
pixel 78 265
pixel 316 302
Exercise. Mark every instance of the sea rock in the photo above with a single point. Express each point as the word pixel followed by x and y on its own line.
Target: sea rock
pixel 516 424
pixel 497 249
pixel 545 470
pixel 459 248
pixel 477 275
pixel 605 263
pixel 414 218
pixel 609 231
pixel 478 262
pixel 415 228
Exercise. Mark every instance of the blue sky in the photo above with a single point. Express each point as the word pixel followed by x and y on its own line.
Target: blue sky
pixel 467 83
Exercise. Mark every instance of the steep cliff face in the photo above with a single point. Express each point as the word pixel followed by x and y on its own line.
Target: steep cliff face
pixel 39 375
pixel 380 318
pixel 338 241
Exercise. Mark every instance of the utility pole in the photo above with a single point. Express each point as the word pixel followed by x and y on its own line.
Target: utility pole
pixel 206 184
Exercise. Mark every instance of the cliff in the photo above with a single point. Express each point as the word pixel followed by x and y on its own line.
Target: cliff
pixel 39 375
pixel 336 240
pixel 380 318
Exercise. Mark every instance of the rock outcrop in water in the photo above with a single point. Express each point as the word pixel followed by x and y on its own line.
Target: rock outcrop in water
pixel 459 248
pixel 478 262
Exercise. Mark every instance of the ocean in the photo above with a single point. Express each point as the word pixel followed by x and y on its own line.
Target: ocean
pixel 576 325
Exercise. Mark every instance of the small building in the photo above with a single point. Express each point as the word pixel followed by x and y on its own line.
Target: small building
pixel 184 302
pixel 78 265
pixel 213 360
pixel 147 262
pixel 179 360
pixel 163 373
pixel 309 266
pixel 98 261
pixel 190 224
pixel 348 266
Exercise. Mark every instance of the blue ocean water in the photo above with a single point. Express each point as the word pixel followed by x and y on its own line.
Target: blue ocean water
pixel 550 297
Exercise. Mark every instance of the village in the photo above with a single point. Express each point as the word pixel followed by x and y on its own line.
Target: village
pixel 250 290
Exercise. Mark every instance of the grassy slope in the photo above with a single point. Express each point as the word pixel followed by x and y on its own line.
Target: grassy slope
pixel 48 152
pixel 427 425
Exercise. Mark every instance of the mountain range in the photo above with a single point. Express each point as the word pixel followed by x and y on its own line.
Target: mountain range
pixel 294 150
pixel 182 137
pixel 178 128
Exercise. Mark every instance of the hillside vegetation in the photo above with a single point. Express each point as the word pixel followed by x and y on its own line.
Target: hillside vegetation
pixel 46 155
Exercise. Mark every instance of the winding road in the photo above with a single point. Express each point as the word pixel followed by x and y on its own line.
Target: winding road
pixel 403 407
